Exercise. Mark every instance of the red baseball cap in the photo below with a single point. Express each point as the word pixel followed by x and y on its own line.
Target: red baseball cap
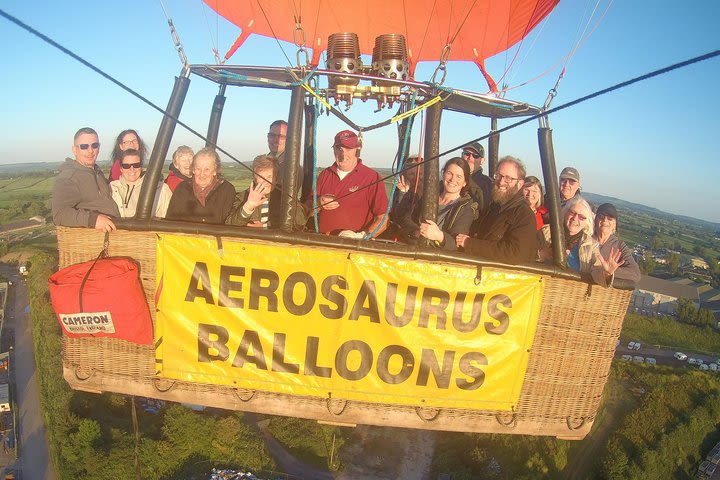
pixel 347 139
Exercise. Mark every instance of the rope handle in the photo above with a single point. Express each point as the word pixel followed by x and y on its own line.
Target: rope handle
pixel 103 254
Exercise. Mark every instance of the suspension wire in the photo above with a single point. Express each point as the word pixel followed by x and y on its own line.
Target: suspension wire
pixel 132 92
pixel 462 23
pixel 598 93
pixel 565 58
pixel 517 51
pixel 587 24
pixel 427 27
pixel 272 30
pixel 212 40
pixel 401 163
pixel 175 37
pixel 618 86
pixel 527 52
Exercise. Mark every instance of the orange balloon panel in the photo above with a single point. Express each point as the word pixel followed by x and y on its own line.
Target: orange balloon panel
pixel 476 29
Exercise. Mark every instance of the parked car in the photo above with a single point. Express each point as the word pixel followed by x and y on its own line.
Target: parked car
pixel 638 359
pixel 631 346
pixel 627 357
pixel 637 345
pixel 703 367
pixel 650 360
pixel 680 356
pixel 692 361
pixel 713 367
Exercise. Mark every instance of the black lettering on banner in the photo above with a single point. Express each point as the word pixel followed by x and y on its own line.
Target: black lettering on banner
pixel 227 285
pixel 499 315
pixel 258 290
pixel 383 364
pixel 468 367
pixel 311 358
pixel 391 302
pixel 205 343
pixel 200 284
pixel 336 298
pixel 474 321
pixel 250 340
pixel 427 307
pixel 366 294
pixel 429 363
pixel 341 360
pixel 279 364
pixel 310 293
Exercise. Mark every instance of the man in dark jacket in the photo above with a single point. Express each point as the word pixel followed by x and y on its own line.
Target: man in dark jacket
pixel 506 230
pixel 480 185
pixel 81 194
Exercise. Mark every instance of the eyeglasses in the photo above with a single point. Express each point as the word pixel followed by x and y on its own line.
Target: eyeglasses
pixel 85 146
pixel 466 153
pixel 276 135
pixel 506 178
pixel 128 166
pixel 571 214
pixel 568 180
pixel 603 216
pixel 130 142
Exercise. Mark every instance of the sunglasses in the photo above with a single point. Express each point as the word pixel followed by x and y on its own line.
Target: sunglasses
pixel 128 166
pixel 580 217
pixel 85 146
pixel 468 152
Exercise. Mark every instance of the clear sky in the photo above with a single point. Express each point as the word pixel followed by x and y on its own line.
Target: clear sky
pixel 654 143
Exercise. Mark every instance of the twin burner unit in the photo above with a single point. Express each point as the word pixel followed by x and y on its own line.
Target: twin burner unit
pixel 389 61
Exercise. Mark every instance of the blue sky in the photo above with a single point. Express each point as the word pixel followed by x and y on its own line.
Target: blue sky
pixel 654 143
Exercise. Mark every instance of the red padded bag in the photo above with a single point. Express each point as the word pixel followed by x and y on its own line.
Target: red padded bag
pixel 102 298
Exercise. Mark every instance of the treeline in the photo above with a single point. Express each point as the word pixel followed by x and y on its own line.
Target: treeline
pixel 316 444
pixel 661 423
pixel 700 317
pixel 23 210
pixel 91 436
pixel 674 425
pixel 468 456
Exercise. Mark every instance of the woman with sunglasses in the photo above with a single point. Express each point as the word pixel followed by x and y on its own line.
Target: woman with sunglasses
pixel 456 209
pixel 126 189
pixel 615 256
pixel 126 140
pixel 580 246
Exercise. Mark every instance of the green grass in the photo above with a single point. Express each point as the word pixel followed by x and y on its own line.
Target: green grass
pixel 668 332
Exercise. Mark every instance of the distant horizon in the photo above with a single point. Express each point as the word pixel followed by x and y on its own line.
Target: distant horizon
pixel 716 224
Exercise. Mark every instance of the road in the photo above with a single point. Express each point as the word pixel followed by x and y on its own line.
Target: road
pixel 664 355
pixel 34 459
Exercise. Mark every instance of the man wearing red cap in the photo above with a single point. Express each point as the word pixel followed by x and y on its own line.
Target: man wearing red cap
pixel 351 200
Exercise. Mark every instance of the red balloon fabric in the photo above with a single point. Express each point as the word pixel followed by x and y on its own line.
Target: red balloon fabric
pixel 475 29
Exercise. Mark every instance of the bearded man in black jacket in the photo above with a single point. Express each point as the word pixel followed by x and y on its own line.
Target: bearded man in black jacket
pixel 506 230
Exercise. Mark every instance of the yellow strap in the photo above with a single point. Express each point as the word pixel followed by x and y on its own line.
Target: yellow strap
pixel 320 99
pixel 402 116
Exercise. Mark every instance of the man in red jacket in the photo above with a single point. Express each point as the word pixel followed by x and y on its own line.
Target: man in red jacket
pixel 361 202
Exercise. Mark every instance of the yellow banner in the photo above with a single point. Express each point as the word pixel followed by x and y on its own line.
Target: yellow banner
pixel 356 326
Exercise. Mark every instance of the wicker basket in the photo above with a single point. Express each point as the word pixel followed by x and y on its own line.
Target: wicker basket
pixel 567 369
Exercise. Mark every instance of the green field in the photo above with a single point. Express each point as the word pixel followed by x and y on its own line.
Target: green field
pixel 668 332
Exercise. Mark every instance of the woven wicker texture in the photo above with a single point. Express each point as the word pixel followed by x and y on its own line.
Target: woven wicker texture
pixel 567 369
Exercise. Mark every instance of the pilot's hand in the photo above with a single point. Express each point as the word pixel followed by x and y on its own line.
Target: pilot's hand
pixel 104 223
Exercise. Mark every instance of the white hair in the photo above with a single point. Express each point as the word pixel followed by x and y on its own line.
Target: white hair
pixel 585 210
